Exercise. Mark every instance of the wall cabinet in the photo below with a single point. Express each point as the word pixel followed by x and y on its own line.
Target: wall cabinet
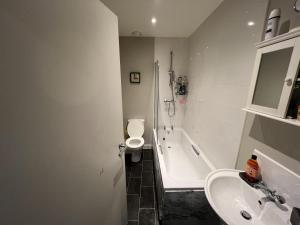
pixel 276 70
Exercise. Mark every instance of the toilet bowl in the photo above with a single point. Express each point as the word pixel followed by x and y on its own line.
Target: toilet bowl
pixel 135 142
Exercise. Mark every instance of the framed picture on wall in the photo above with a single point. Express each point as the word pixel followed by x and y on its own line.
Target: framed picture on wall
pixel 135 77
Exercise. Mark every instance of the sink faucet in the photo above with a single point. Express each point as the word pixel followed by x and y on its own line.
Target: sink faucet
pixel 271 196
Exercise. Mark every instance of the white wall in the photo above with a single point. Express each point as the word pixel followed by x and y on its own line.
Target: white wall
pixel 137 55
pixel 60 94
pixel 163 46
pixel 221 54
pixel 277 140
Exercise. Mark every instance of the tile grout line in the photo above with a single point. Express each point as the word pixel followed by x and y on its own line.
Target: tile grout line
pixel 140 189
pixel 140 194
pixel 153 190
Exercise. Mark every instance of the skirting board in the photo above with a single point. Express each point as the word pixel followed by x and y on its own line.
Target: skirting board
pixel 148 146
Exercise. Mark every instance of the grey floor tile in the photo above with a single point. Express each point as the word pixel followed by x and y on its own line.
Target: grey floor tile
pixel 136 170
pixel 147 154
pixel 147 178
pixel 127 182
pixel 141 192
pixel 147 197
pixel 128 171
pixel 133 207
pixel 133 223
pixel 134 186
pixel 127 159
pixel 148 165
pixel 156 218
pixel 147 217
pixel 155 202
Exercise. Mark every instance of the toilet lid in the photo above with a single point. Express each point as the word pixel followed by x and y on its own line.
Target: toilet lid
pixel 135 129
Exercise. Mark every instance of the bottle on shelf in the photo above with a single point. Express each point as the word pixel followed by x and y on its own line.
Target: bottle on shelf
pixel 252 169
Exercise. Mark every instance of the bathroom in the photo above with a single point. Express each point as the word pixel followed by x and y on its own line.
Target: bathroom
pixel 148 112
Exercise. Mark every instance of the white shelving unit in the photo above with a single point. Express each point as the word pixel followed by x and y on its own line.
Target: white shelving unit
pixel 288 121
pixel 286 36
pixel 266 49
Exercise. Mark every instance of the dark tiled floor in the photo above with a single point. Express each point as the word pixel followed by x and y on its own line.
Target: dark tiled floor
pixel 133 223
pixel 147 165
pixel 147 216
pixel 133 204
pixel 141 191
pixel 147 198
pixel 134 186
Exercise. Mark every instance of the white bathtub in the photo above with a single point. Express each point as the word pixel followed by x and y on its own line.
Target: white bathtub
pixel 182 164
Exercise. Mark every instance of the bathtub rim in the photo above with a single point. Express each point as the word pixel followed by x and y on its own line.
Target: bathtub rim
pixel 169 184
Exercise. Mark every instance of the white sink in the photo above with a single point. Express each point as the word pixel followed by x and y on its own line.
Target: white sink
pixel 228 195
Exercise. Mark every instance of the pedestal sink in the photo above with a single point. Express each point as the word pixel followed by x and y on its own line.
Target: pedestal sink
pixel 237 203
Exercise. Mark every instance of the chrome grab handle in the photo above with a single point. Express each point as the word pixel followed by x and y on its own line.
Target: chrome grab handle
pixel 195 150
pixel 122 149
pixel 160 148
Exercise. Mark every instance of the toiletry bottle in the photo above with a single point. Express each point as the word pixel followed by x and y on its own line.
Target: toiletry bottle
pixel 252 169
pixel 272 24
pixel 293 109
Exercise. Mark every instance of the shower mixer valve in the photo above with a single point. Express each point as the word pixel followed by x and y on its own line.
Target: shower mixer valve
pixel 168 101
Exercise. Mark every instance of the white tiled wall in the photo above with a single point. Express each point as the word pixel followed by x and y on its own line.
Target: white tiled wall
pixel 221 57
pixel 163 46
pixel 277 140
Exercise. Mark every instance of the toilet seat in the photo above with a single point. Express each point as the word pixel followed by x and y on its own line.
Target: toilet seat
pixel 135 142
pixel 135 128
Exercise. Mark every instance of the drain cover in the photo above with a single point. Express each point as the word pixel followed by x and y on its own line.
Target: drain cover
pixel 246 215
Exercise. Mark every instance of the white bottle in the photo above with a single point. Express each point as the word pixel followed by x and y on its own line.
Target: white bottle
pixel 272 24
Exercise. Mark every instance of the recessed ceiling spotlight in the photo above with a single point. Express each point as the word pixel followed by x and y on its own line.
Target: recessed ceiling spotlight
pixel 251 23
pixel 153 20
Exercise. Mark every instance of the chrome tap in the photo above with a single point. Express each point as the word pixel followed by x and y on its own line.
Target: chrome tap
pixel 271 196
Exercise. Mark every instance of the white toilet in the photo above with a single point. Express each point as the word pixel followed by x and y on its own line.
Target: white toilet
pixel 135 142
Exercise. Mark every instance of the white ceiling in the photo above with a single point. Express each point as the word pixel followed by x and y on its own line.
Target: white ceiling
pixel 175 18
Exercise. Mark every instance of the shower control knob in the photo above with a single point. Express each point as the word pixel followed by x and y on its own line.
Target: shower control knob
pixel 289 81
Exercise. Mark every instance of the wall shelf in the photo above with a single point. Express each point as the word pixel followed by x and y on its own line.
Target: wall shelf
pixel 288 121
pixel 283 37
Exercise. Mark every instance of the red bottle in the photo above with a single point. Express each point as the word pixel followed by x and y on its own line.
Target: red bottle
pixel 252 169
